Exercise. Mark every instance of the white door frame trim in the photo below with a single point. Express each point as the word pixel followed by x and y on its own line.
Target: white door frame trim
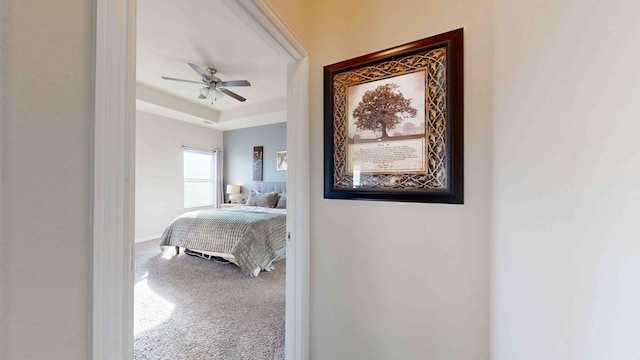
pixel 112 192
pixel 113 169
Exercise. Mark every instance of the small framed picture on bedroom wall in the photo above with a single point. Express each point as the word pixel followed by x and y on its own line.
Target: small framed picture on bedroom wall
pixel 281 160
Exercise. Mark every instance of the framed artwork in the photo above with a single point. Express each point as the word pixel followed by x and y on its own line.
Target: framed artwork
pixel 393 123
pixel 257 163
pixel 281 160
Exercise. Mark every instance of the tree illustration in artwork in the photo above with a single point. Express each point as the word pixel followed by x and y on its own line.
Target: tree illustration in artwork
pixel 382 109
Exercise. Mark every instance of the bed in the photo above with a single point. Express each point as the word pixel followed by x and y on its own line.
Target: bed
pixel 252 237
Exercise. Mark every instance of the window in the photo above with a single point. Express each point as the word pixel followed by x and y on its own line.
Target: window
pixel 199 178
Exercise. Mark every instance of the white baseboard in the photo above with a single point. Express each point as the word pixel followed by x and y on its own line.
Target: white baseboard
pixel 147 238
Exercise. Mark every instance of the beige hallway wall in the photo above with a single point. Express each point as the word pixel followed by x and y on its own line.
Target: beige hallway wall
pixel 566 281
pixel 45 149
pixel 392 280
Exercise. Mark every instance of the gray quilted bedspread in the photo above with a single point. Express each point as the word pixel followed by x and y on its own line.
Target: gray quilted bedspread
pixel 251 235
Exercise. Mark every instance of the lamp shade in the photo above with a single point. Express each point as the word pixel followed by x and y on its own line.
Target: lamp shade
pixel 233 189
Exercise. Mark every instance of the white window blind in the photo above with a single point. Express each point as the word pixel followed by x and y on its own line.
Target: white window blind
pixel 199 177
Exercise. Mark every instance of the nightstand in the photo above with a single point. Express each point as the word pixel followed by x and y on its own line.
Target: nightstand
pixel 229 205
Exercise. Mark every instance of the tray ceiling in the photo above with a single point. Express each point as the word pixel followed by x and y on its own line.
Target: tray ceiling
pixel 172 33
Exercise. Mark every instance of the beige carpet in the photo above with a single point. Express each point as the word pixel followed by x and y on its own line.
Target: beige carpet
pixel 191 308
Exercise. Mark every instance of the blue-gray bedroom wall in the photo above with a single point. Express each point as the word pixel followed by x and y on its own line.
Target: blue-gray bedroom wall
pixel 238 153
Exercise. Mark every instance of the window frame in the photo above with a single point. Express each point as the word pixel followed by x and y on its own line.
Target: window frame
pixel 211 180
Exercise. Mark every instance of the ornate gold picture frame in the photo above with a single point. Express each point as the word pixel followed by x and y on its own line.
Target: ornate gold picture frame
pixel 393 123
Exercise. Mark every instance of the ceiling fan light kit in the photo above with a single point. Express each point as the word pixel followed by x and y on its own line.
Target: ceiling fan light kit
pixel 214 88
pixel 210 93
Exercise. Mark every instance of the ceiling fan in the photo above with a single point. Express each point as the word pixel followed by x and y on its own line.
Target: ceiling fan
pixel 214 88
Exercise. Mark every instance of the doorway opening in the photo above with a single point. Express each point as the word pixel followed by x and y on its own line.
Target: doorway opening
pixel 112 192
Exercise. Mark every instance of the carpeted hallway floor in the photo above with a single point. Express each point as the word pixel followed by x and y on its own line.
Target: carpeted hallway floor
pixel 191 308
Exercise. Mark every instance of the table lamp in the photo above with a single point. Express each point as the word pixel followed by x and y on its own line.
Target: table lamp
pixel 234 192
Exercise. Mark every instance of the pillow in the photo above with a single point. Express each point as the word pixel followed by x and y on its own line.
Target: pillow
pixel 267 200
pixel 282 202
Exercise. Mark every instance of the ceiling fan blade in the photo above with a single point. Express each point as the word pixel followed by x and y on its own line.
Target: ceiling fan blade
pixel 236 83
pixel 201 96
pixel 183 80
pixel 200 71
pixel 232 94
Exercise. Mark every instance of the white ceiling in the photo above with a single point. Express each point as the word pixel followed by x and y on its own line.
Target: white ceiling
pixel 171 33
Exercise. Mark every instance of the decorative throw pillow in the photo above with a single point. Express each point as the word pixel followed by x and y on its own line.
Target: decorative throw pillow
pixel 267 200
pixel 282 202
